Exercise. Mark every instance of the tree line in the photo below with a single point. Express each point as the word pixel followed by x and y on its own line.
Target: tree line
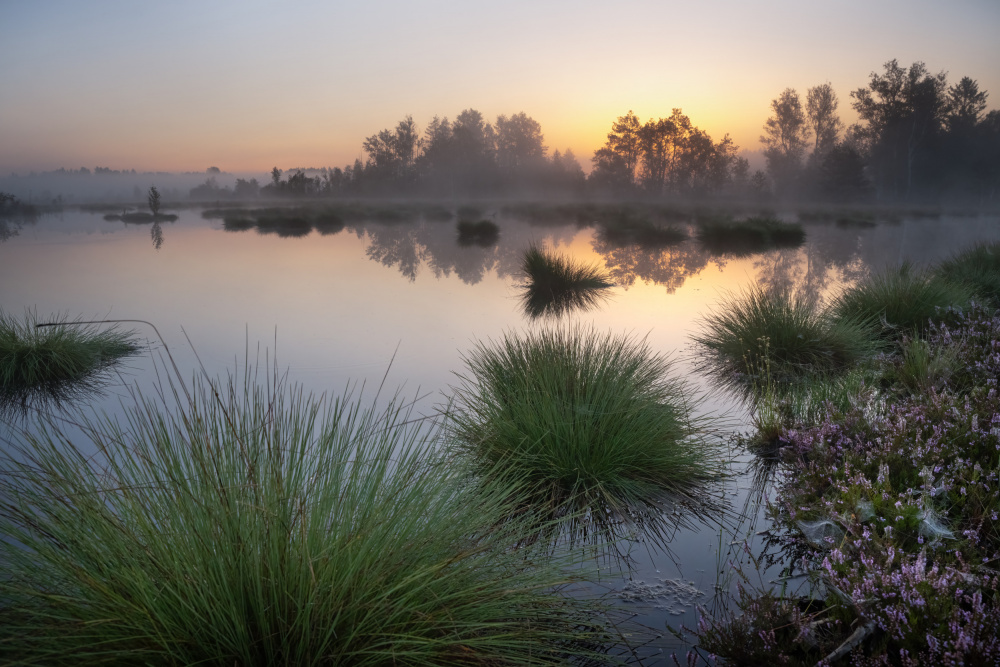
pixel 917 139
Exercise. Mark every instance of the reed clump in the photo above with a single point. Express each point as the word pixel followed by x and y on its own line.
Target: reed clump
pixel 251 524
pixel 593 423
pixel 36 358
pixel 555 284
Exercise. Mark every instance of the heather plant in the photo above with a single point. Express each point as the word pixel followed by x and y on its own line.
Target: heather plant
pixel 593 423
pixel 252 524
pixel 894 515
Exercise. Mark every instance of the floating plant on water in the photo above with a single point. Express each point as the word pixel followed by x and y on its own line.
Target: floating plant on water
pixel 746 237
pixel 484 233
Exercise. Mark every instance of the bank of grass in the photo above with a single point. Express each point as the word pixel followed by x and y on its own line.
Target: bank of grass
pixel 251 524
pixel 899 301
pixel 45 358
pixel 594 423
pixel 555 284
pixel 978 269
pixel 761 334
pixel 751 235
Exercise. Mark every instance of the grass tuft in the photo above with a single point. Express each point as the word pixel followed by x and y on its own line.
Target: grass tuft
pixel 899 301
pixel 255 525
pixel 556 285
pixel 758 335
pixel 49 359
pixel 593 423
pixel 978 269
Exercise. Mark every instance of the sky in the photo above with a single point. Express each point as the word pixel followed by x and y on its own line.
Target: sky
pixel 244 86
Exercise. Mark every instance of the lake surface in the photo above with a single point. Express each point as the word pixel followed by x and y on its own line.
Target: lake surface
pixel 406 300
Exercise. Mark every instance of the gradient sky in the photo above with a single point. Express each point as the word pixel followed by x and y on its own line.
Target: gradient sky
pixel 247 85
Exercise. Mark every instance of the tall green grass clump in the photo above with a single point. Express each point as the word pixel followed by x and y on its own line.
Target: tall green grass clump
pixel 555 284
pixel 899 301
pixel 592 422
pixel 44 358
pixel 758 334
pixel 255 525
pixel 977 268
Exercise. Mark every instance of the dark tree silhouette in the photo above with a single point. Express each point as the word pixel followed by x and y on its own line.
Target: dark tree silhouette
pixel 901 111
pixel 785 138
pixel 153 197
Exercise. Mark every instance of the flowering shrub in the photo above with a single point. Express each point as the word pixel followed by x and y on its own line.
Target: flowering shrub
pixel 896 514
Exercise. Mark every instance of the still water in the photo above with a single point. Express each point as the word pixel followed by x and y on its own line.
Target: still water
pixel 404 300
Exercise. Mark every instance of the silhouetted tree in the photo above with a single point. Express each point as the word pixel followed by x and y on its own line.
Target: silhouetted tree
pixel 785 138
pixel 661 142
pixel 901 111
pixel 842 174
pixel 616 162
pixel 153 197
pixel 821 109
pixel 964 105
pixel 392 155
pixel 245 188
pixel 519 144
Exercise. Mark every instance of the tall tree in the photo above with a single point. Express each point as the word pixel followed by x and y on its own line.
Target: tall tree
pixel 392 153
pixel 616 162
pixel 821 109
pixel 965 105
pixel 785 138
pixel 519 143
pixel 901 111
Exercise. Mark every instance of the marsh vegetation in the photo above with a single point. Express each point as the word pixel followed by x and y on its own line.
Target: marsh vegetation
pixel 595 425
pixel 46 365
pixel 471 536
pixel 555 285
pixel 247 521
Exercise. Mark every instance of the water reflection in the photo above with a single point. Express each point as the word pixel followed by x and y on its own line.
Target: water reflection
pixel 156 233
pixel 14 214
